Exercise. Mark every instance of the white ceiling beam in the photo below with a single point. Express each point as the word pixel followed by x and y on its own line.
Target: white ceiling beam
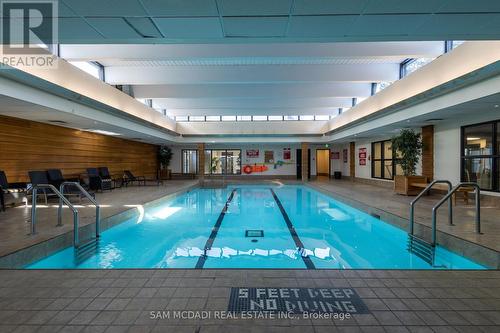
pixel 132 52
pixel 252 74
pixel 251 103
pixel 333 89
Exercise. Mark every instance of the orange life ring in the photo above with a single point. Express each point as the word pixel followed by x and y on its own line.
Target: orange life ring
pixel 247 169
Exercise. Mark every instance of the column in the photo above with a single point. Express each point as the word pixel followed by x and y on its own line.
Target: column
pixel 305 161
pixel 201 161
pixel 352 160
pixel 428 152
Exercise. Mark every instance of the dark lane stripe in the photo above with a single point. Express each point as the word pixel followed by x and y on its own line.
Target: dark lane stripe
pixel 296 239
pixel 215 230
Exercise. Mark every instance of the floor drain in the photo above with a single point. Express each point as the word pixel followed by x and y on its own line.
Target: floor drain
pixel 254 233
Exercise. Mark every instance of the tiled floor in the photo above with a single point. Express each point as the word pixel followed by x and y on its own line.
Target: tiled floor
pixel 385 199
pixel 121 300
pixel 15 222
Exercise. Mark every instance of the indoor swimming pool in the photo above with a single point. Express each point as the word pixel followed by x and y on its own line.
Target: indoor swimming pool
pixel 258 226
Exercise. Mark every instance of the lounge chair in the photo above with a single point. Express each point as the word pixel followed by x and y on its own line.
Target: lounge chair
pixel 116 179
pixel 96 182
pixel 12 193
pixel 37 178
pixel 56 178
pixel 130 178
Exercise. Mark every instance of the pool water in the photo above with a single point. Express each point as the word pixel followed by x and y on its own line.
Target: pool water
pixel 301 228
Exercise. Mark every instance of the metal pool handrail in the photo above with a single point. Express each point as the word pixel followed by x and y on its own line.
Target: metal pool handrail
pixel 61 198
pixel 427 189
pixel 76 237
pixel 448 196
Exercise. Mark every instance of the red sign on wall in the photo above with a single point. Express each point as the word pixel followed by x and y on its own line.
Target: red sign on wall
pixel 287 154
pixel 362 156
pixel 252 153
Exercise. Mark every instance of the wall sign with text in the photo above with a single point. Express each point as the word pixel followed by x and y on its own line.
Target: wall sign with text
pixel 362 155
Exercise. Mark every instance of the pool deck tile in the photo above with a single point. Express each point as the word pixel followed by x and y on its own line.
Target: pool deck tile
pixel 444 301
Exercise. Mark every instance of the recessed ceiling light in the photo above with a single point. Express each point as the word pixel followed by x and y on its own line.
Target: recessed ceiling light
pixel 98 131
pixel 496 105
pixel 472 138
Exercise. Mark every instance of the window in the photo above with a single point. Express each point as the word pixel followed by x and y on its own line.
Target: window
pixel 196 118
pixel 189 161
pixel 244 118
pixel 321 117
pixel 306 117
pixel 481 155
pixel 384 165
pixel 275 118
pixel 181 118
pixel 291 118
pixel 228 118
pixel 411 65
pixel 223 161
pixel 212 118
pixel 259 118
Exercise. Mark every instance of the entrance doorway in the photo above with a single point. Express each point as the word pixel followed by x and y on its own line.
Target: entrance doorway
pixel 299 163
pixel 323 162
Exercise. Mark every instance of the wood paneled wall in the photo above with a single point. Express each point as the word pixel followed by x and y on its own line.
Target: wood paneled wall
pixel 27 145
pixel 428 152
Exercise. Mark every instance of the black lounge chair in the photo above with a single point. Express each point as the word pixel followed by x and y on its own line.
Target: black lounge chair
pixel 117 180
pixel 96 182
pixel 39 178
pixel 130 178
pixel 56 178
pixel 13 192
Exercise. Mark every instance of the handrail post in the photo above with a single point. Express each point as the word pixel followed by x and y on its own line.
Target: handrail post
pixel 76 238
pixel 412 214
pixel 450 205
pixel 478 210
pixel 434 227
pixel 59 211
pixel 33 210
pixel 97 221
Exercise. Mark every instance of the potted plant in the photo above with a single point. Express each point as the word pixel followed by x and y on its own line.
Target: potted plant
pixel 164 157
pixel 408 148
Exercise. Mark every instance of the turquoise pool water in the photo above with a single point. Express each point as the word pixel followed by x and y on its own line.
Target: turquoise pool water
pixel 302 228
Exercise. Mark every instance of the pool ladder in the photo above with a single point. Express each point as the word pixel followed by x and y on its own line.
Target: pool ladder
pixel 82 250
pixel 427 250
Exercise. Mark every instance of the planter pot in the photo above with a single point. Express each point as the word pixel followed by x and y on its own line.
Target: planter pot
pixel 402 184
pixel 164 174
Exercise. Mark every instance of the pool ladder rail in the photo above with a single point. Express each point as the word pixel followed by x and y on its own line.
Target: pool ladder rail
pixel 427 250
pixel 82 250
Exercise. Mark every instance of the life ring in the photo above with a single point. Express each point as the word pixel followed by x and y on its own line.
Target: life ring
pixel 247 169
